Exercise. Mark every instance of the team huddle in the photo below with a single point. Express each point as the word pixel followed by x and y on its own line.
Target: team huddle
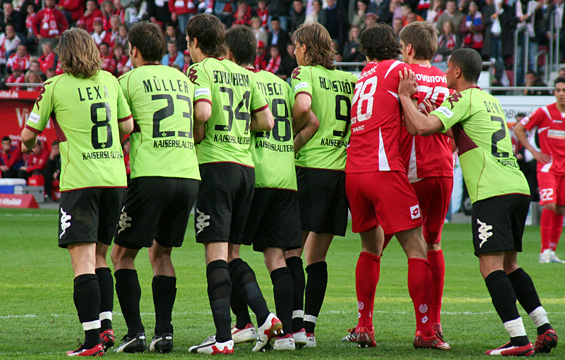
pixel 277 167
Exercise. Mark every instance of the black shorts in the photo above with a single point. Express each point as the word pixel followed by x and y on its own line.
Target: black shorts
pixel 274 220
pixel 156 208
pixel 322 200
pixel 89 215
pixel 223 202
pixel 498 223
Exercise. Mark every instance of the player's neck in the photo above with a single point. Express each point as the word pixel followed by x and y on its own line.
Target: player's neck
pixel 424 62
pixel 561 108
pixel 464 85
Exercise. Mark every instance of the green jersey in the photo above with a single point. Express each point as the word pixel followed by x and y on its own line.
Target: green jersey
pixel 331 92
pixel 484 144
pixel 273 151
pixel 85 114
pixel 234 96
pixel 160 98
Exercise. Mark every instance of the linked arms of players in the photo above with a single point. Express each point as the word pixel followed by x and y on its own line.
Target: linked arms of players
pixel 417 123
pixel 304 122
pixel 520 132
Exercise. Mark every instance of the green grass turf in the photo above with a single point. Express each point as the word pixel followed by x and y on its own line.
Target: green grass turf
pixel 38 318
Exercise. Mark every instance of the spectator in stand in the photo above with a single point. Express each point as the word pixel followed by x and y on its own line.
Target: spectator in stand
pixel 35 66
pixel 33 77
pixel 259 30
pixel 10 158
pixel 92 13
pixel 112 34
pixel 187 61
pixel 9 42
pixel 49 24
pixel 390 11
pixel 48 59
pixel 435 11
pixel 297 15
pixel 532 79
pixel 314 15
pixel 181 12
pixel 358 19
pixel 49 74
pixel 99 34
pixel 472 28
pixel 223 9
pixel 121 59
pixel 262 58
pixel 288 63
pixel 397 25
pixel 422 8
pixel 448 41
pixel 122 37
pixel 173 56
pixel 451 13
pixel 21 57
pixel 35 162
pixel 52 170
pixel 274 63
pixel 335 20
pixel 17 77
pixel 263 12
pixel 372 18
pixel 278 36
pixel 463 6
pixel 72 9
pixel 561 72
pixel 492 44
pixel 108 62
pixel 351 48
pixel 120 10
pixel 280 9
pixel 11 16
pixel 243 14
pixel 107 9
pixel 172 34
pixel 408 16
pixel 31 14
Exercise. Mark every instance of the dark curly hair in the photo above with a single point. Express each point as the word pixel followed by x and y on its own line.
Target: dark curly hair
pixel 378 42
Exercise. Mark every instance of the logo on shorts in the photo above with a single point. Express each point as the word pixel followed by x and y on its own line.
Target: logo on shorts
pixel 484 232
pixel 65 222
pixel 423 308
pixel 201 222
pixel 124 221
pixel 415 211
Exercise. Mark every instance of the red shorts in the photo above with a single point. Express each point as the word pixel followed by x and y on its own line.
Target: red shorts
pixel 384 198
pixel 551 188
pixel 434 194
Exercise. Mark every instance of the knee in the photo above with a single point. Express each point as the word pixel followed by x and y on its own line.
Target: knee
pixel 434 247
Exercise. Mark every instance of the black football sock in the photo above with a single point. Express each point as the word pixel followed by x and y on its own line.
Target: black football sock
pixel 219 293
pixel 239 308
pixel 106 284
pixel 244 280
pixel 283 289
pixel 315 293
pixel 86 295
pixel 296 268
pixel 504 301
pixel 164 294
pixel 129 294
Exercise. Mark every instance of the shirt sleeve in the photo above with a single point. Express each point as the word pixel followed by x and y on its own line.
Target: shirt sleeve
pixel 453 110
pixel 201 81
pixel 301 81
pixel 42 109
pixel 258 101
pixel 534 119
pixel 124 112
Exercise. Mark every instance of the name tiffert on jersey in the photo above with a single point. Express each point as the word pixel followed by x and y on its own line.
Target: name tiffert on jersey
pixel 93 93
pixel 155 84
pixel 337 85
pixel 235 79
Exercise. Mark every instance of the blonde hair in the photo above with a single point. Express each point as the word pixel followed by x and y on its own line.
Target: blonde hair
pixel 78 53
pixel 318 45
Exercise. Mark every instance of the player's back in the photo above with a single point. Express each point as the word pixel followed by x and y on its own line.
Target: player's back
pixel 233 95
pixel 162 144
pixel 273 151
pixel 331 92
pixel 427 156
pixel 375 120
pixel 85 114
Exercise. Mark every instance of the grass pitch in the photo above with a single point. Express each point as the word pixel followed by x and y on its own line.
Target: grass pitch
pixel 38 318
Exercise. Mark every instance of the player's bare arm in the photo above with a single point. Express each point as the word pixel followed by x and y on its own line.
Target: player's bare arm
pixel 262 120
pixel 301 111
pixel 28 140
pixel 520 131
pixel 126 126
pixel 306 133
pixel 424 125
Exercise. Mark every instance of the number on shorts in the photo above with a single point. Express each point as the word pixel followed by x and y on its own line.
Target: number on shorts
pixel 546 194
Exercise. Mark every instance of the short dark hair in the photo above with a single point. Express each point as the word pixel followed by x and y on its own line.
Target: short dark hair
pixel 521 114
pixel 378 42
pixel 55 142
pixel 6 138
pixel 275 18
pixel 149 40
pixel 560 79
pixel 422 36
pixel 210 33
pixel 470 63
pixel 532 72
pixel 243 44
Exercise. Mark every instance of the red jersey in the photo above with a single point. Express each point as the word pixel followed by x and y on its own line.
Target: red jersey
pixel 16 80
pixel 47 62
pixel 25 62
pixel 551 129
pixel 12 157
pixel 109 63
pixel 427 156
pixel 376 120
pixel 49 23
pixel 35 162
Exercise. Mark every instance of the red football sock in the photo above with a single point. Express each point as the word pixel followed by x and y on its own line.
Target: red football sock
pixel 557 227
pixel 419 285
pixel 437 268
pixel 366 280
pixel 546 222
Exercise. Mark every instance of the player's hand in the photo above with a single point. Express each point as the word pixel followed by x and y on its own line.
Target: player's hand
pixel 26 150
pixel 541 157
pixel 426 107
pixel 3 168
pixel 407 85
